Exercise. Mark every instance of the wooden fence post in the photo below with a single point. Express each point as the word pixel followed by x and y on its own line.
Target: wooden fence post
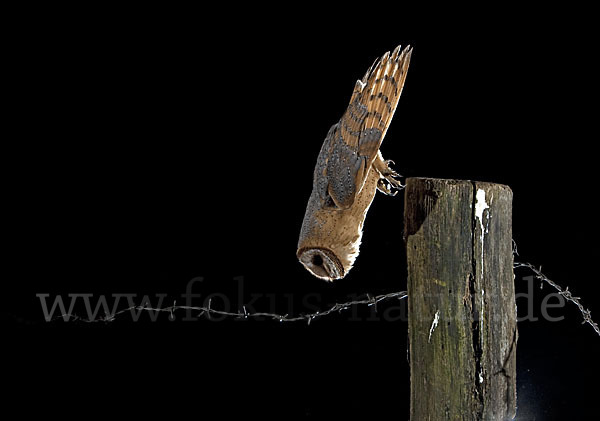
pixel 461 300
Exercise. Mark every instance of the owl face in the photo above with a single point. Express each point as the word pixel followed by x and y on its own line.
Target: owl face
pixel 322 263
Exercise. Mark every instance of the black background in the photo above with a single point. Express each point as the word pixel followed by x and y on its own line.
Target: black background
pixel 149 147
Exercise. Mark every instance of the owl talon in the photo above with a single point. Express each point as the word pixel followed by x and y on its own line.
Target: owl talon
pixel 384 168
pixel 388 182
pixel 386 188
pixel 391 178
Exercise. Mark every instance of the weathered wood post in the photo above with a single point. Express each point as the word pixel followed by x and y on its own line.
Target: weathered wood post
pixel 461 300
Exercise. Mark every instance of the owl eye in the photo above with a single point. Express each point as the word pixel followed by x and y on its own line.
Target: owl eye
pixel 317 260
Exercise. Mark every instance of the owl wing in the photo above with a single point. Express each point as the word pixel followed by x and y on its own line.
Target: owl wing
pixel 354 141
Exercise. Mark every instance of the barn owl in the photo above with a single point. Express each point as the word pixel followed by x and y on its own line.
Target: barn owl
pixel 350 169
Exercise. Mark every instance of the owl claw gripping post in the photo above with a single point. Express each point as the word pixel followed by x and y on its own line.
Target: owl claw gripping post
pixel 350 169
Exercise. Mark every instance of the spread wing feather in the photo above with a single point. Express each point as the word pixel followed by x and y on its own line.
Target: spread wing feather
pixel 353 143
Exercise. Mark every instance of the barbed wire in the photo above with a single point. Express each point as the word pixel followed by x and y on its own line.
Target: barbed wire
pixel 587 317
pixel 338 307
pixel 207 310
pixel 369 300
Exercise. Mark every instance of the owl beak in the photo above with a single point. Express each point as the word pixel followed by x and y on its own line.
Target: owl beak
pixel 322 263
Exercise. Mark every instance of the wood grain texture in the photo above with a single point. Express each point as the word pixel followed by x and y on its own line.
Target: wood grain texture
pixel 460 266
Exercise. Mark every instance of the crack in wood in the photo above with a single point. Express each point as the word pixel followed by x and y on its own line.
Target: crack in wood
pixel 475 322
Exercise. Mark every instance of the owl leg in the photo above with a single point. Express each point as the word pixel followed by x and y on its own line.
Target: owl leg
pixel 388 183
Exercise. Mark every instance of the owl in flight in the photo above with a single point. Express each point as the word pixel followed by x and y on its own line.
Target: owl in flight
pixel 350 169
